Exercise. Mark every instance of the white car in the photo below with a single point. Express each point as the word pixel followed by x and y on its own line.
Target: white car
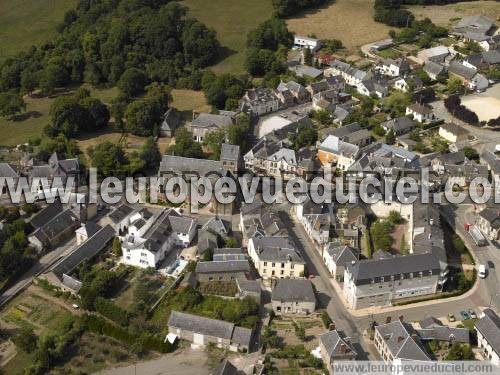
pixel 481 272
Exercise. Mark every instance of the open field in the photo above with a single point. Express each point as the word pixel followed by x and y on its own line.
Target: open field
pixel 29 22
pixel 30 123
pixel 486 104
pixel 231 19
pixel 351 21
pixel 444 15
pixel 189 100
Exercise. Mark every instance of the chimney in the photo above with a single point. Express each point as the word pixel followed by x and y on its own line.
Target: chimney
pixel 343 348
pixel 332 326
pixel 388 320
pixel 401 318
pixel 400 339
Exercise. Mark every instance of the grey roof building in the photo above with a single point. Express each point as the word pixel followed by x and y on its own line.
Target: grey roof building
pixel 400 125
pixel 225 368
pixel 488 335
pixel 224 270
pixel 399 340
pixel 46 214
pixel 476 24
pixel 179 165
pixel 293 296
pixel 335 347
pixel 202 331
pixel 8 170
pixel 172 120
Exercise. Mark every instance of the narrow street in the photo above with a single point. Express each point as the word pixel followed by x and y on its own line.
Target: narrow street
pixel 327 295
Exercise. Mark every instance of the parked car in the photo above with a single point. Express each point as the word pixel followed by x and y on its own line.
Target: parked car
pixel 481 272
pixel 465 315
pixel 472 314
pixel 451 318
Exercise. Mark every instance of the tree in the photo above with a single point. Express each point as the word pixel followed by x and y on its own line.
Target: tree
pixel 269 35
pixel 397 102
pixel 185 145
pixel 109 159
pixel 237 134
pixel 454 85
pixel 143 117
pixel 380 232
pixel 68 117
pixel 231 242
pixel 390 137
pixel 306 136
pixel 322 116
pixel 460 352
pixel 98 110
pixel 150 154
pixel 471 153
pixel 29 81
pixel 214 140
pixel 26 340
pixel 132 82
pixel 11 104
pixel 308 58
pixel 117 247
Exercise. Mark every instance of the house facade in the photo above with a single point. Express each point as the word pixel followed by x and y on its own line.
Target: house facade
pixel 488 334
pixel 293 296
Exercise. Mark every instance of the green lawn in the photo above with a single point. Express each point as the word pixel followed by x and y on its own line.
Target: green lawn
pixel 29 22
pixel 231 19
pixel 31 123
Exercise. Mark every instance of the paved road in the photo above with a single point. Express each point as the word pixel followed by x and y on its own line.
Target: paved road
pixel 42 265
pixel 351 326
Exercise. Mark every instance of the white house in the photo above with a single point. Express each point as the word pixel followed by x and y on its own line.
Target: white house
pixel 304 41
pixel 420 112
pixel 151 236
pixel 488 335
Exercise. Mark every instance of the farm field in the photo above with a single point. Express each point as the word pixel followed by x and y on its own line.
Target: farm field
pixel 350 21
pixel 231 19
pixel 29 22
pixel 444 15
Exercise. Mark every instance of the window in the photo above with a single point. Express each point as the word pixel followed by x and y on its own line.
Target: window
pixel 292 266
pixel 282 272
pixel 282 265
pixel 411 275
pixel 273 273
pixel 210 278
pixel 273 265
pixel 265 264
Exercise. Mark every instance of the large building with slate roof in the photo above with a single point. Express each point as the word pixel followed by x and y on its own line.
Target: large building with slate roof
pixel 337 258
pixel 201 331
pixel 488 221
pixel 399 341
pixel 293 296
pixel 204 123
pixel 375 282
pixel 488 335
pixel 275 258
pixel 55 231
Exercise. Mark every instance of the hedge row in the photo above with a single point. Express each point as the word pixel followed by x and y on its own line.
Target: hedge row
pixel 101 326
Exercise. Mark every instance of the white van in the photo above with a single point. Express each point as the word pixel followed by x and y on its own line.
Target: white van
pixel 481 271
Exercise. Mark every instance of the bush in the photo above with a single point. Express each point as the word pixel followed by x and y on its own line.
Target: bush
pixel 111 311
pixel 325 318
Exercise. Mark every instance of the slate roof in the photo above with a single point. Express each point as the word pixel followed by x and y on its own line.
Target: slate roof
pixel 365 270
pixel 201 325
pixel 225 254
pixel 335 145
pixel 343 131
pixel 56 226
pixel 179 165
pixel 461 70
pixel 484 58
pixel 229 152
pixel 454 128
pixel 333 344
pixel 180 224
pixel 400 125
pixel 444 333
pixel 85 251
pixel 47 214
pixel 489 327
pixel 402 341
pixel 433 68
pixel 276 249
pixel 225 368
pixel 491 215
pixel 89 229
pixel 293 290
pixel 207 120
pixel 210 327
pixel 492 161
pixel 8 170
pixel 120 213
pixel 231 266
pixel 342 255
pixel 420 108
pixel 451 158
pixel 249 286
pixel 430 322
